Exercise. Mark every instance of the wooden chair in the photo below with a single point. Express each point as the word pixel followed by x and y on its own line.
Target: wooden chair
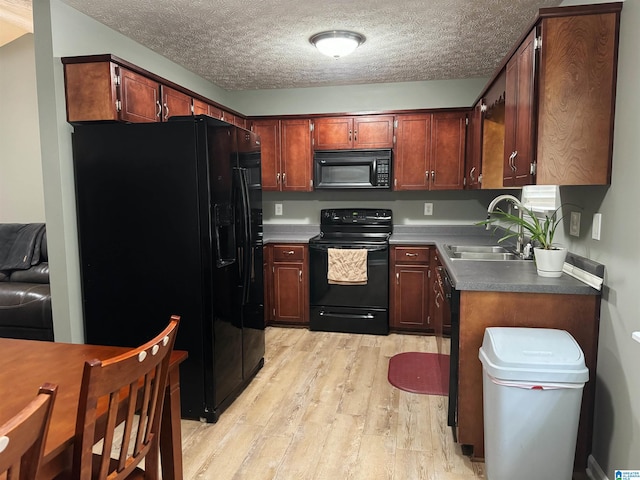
pixel 22 438
pixel 132 387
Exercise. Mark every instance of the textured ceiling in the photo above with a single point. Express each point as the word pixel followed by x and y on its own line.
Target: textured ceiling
pixel 263 44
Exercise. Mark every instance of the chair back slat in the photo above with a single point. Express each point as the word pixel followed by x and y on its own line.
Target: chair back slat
pixel 132 387
pixel 22 438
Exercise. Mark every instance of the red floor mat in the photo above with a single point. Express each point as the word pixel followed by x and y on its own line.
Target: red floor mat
pixel 426 373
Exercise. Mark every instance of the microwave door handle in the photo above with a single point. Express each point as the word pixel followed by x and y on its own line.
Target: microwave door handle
pixel 374 169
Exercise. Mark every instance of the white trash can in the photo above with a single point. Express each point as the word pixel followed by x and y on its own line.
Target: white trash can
pixel 532 392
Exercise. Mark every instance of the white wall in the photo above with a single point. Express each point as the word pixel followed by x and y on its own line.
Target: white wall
pixel 21 191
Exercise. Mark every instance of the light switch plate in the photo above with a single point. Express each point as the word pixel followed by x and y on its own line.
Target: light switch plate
pixel 574 226
pixel 428 208
pixel 278 209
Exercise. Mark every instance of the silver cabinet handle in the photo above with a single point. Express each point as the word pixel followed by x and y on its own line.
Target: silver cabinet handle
pixel 284 179
pixel 159 111
pixel 512 160
pixel 397 279
pixel 436 299
pixel 166 110
pixel 471 174
pixel 411 254
pixel 349 135
pixel 300 275
pixel 288 252
pixel 433 176
pixel 278 177
pixel 355 135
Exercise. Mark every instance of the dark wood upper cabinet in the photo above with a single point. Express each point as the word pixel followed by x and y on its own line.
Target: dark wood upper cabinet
pixel 361 132
pixel 448 131
pixel 519 114
pixel 175 103
pixel 429 151
pixel 286 154
pixel 473 154
pixel 576 100
pixel 105 87
pixel 560 97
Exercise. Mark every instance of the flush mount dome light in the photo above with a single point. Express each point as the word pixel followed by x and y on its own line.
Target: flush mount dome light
pixel 337 43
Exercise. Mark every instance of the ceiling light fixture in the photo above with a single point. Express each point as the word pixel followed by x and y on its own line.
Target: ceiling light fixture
pixel 337 43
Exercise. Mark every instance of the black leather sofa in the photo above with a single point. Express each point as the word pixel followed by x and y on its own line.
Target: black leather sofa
pixel 25 296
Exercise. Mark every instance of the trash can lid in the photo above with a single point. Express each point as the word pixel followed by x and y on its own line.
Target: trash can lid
pixel 533 355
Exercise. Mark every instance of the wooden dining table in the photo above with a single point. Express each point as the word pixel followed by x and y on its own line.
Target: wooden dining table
pixel 27 364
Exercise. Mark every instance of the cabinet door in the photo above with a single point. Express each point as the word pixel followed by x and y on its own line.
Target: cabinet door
pixel 288 301
pixel 412 152
pixel 295 155
pixel 411 297
pixel 175 103
pixel 91 91
pixel 375 131
pixel 447 151
pixel 203 108
pixel 139 97
pixel 200 107
pixel 269 131
pixel 473 154
pixel 519 110
pixel 334 133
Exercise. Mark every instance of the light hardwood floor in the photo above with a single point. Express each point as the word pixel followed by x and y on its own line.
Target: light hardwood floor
pixel 322 408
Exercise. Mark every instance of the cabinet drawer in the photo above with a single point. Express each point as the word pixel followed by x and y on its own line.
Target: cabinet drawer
pixel 412 255
pixel 288 253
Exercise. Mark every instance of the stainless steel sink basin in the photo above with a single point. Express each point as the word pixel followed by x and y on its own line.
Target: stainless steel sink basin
pixel 480 252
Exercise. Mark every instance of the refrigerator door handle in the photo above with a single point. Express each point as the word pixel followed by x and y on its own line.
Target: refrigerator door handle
pixel 245 244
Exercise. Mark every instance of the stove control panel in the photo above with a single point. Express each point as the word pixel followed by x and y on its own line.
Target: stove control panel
pixel 350 216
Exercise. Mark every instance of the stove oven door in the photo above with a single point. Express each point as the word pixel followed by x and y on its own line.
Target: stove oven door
pixel 350 308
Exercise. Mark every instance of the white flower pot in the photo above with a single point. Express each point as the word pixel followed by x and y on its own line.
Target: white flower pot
pixel 550 262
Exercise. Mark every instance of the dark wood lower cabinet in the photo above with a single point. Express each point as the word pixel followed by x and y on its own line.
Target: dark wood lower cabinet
pixel 287 285
pixel 410 288
pixel 577 314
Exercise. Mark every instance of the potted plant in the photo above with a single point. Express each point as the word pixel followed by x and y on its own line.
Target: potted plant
pixel 549 257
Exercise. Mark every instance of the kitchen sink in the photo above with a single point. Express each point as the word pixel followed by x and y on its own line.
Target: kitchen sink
pixel 480 252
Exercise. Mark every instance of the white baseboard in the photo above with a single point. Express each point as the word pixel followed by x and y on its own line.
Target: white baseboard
pixel 594 472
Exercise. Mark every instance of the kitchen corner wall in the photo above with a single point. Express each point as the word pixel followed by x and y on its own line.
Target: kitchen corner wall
pixel 449 208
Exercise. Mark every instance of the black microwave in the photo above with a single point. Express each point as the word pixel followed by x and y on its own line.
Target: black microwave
pixel 352 169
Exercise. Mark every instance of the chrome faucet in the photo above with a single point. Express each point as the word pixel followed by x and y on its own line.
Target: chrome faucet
pixel 521 208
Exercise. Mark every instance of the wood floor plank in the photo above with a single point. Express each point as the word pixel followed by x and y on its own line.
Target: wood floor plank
pixel 382 412
pixel 376 459
pixel 340 450
pixel 302 456
pixel 355 398
pixel 262 462
pixel 414 423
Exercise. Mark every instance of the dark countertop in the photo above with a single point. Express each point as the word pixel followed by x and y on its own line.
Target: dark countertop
pixel 503 276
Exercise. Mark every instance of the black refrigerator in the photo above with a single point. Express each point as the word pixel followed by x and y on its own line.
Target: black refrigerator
pixel 170 222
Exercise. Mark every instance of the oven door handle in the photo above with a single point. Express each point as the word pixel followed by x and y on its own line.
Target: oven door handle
pixel 370 248
pixel 346 315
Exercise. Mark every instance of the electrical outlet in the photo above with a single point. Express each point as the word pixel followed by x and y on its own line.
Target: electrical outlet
pixel 428 208
pixel 574 225
pixel 278 209
pixel 596 226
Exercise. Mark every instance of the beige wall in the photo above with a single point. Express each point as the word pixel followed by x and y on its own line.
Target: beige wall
pixel 21 191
